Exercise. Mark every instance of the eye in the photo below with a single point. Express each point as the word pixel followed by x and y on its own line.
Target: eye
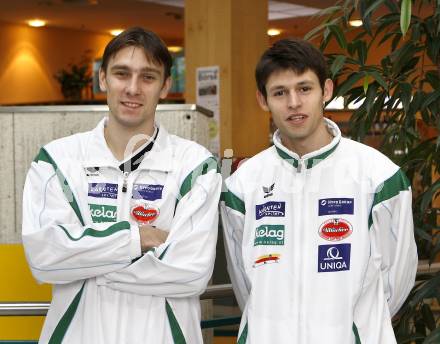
pixel 121 73
pixel 279 93
pixel 148 77
pixel 305 89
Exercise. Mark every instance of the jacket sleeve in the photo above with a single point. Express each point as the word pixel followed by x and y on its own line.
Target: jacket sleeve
pixel 183 265
pixel 392 232
pixel 59 246
pixel 233 215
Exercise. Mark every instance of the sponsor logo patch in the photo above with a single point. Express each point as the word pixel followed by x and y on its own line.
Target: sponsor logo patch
pixel 269 235
pixel 91 171
pixel 333 258
pixel 267 259
pixel 103 213
pixel 103 190
pixel 147 192
pixel 270 209
pixel 335 229
pixel 336 206
pixel 144 213
pixel 268 190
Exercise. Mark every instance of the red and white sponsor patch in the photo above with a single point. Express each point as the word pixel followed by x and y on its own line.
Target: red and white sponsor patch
pixel 335 229
pixel 144 213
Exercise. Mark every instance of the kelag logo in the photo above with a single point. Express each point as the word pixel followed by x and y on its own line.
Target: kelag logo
pixel 333 258
pixel 269 235
pixel 336 206
pixel 103 213
pixel 270 209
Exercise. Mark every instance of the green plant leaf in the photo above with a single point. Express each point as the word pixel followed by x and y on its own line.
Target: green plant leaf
pixel 339 35
pixel 365 84
pixel 373 7
pixel 429 194
pixel 337 64
pixel 378 77
pixel 433 337
pixel 328 11
pixel 349 82
pixel 405 16
pixel 405 95
pixel 366 19
pixel 314 32
pixel 431 98
pixel 428 317
pixel 392 6
pixel 422 234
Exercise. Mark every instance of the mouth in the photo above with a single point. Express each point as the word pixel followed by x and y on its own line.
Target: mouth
pixel 297 118
pixel 131 105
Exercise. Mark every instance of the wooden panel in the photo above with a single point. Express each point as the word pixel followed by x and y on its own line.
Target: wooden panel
pixel 218 33
pixel 7 196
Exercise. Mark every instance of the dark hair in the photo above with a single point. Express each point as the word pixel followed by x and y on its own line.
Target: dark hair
pixel 294 54
pixel 154 48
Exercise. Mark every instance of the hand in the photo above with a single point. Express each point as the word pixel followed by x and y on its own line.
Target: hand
pixel 151 237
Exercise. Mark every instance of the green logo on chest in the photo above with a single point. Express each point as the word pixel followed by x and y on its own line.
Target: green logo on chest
pixel 269 235
pixel 103 213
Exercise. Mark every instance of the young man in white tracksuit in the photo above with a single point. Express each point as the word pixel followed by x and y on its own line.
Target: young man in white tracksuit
pixel 318 228
pixel 123 219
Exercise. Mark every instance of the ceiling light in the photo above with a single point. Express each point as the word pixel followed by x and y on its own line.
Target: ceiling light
pixel 273 32
pixel 36 23
pixel 355 22
pixel 175 49
pixel 115 32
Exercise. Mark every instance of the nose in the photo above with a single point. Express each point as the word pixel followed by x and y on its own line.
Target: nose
pixel 293 100
pixel 133 86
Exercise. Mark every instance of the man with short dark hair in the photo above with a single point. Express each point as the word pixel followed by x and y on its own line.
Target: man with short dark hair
pixel 122 220
pixel 318 228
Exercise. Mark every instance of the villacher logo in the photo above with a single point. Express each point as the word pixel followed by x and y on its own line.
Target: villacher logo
pixel 335 229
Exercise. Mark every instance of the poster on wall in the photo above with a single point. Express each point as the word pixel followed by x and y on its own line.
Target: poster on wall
pixel 208 96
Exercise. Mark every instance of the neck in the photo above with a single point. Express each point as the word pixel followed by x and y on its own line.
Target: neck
pixel 303 146
pixel 123 141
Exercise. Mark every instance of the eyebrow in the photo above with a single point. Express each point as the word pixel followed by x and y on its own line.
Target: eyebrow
pixel 299 84
pixel 145 69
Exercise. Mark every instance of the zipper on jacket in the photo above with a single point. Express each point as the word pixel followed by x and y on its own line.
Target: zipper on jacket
pixel 299 168
pixel 124 183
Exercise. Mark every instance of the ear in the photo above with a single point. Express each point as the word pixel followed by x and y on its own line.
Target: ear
pixel 262 101
pixel 328 90
pixel 165 88
pixel 102 81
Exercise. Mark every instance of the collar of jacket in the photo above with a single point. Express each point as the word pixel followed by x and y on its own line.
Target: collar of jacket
pixel 159 158
pixel 313 158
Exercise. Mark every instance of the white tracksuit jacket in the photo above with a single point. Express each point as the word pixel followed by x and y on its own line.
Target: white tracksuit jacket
pixel 321 248
pixel 79 235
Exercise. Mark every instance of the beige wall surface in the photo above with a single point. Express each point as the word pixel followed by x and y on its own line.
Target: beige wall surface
pixel 31 56
pixel 22 133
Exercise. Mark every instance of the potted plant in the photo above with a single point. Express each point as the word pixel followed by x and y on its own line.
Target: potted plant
pixel 401 94
pixel 75 78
